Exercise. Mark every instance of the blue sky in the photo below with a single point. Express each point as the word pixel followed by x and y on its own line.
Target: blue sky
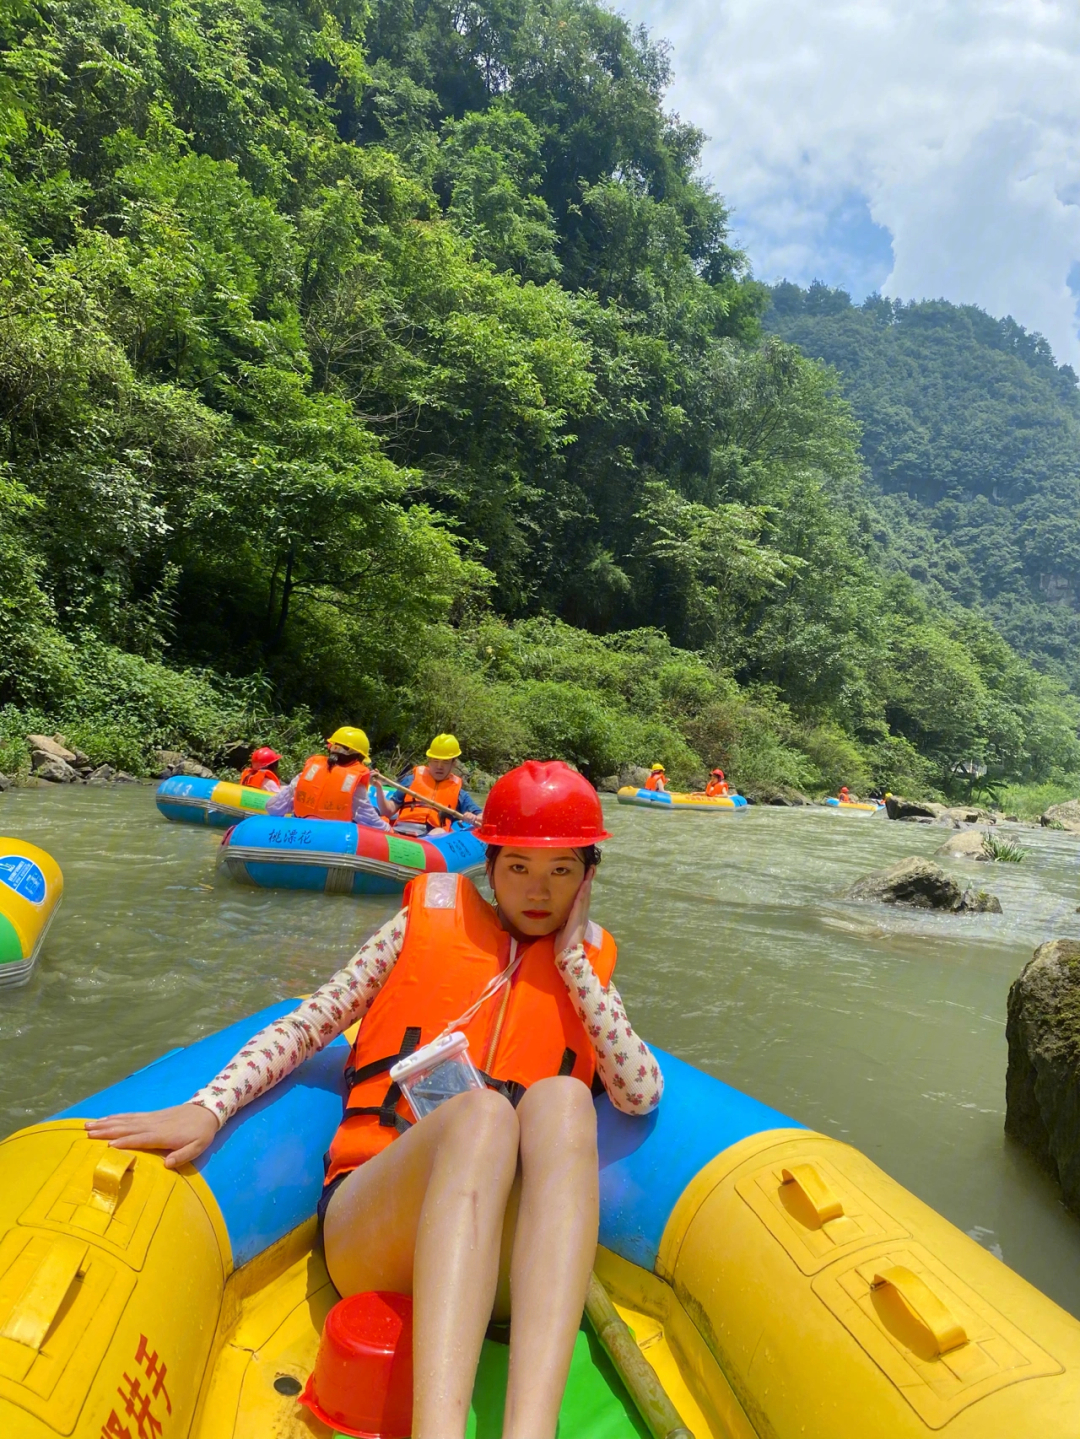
pixel 925 148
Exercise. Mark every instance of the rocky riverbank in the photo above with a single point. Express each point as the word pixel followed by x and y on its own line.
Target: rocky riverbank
pixel 53 761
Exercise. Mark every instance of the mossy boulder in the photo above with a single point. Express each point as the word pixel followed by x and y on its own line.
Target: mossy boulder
pixel 1042 1083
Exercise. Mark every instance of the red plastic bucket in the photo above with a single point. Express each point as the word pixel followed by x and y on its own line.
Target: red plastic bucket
pixel 362 1381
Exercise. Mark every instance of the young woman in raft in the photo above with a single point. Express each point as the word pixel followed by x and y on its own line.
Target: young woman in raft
pixel 480 1202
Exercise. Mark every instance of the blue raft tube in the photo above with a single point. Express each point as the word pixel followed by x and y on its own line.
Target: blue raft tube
pixel 218 803
pixel 781 1285
pixel 338 857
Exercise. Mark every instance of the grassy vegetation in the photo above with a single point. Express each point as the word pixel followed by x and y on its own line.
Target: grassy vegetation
pixel 1001 851
pixel 1029 801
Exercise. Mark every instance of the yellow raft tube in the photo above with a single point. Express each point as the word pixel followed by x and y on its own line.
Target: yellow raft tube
pixel 31 887
pixel 780 1284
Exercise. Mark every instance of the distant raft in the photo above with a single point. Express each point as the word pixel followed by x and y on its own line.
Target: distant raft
pixel 852 806
pixel 31 887
pixel 216 802
pixel 653 799
pixel 340 858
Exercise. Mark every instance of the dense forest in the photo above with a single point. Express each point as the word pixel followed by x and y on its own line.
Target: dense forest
pixel 972 437
pixel 392 362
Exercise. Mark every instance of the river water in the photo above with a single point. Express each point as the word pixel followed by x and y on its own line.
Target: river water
pixel 882 1027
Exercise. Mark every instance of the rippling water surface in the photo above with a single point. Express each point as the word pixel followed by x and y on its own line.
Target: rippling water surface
pixel 885 1028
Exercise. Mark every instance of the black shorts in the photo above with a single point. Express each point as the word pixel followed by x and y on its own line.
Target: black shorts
pixel 329 1190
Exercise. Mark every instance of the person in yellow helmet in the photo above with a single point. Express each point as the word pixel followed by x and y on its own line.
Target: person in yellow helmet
pixel 435 780
pixel 334 785
pixel 655 781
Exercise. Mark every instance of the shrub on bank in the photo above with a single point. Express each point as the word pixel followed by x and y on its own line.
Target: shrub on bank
pixel 119 708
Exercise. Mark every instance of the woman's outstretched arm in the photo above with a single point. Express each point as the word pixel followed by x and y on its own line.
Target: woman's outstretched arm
pixel 185 1130
pixel 285 1044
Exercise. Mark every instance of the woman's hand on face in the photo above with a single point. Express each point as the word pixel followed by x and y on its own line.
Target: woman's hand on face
pixel 184 1131
pixel 577 921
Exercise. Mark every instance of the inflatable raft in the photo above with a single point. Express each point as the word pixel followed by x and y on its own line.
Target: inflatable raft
pixel 778 1282
pixel 31 887
pixel 340 858
pixel 850 806
pixel 653 799
pixel 216 802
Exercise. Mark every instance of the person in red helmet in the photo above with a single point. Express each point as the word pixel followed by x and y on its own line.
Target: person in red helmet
pixel 496 1190
pixel 717 785
pixel 262 772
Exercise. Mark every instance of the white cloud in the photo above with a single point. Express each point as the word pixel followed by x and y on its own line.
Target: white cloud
pixel 953 125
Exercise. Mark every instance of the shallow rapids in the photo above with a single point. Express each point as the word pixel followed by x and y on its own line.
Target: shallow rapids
pixel 882 1027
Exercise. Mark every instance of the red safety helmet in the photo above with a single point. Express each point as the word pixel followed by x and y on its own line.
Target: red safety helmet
pixel 719 773
pixel 540 805
pixel 263 758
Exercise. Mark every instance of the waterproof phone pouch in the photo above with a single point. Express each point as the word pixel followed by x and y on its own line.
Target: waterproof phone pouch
pixel 434 1074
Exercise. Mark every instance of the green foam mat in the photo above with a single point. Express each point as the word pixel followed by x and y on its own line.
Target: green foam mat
pixel 595 1405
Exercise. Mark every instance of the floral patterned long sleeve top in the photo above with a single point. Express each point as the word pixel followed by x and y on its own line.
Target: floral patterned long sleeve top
pixel 627 1069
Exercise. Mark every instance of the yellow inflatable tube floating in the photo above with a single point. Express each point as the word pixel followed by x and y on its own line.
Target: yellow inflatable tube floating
pixel 31 887
pixel 779 1283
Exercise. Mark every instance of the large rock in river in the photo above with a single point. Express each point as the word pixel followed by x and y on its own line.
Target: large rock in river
pixel 897 808
pixel 968 844
pixel 961 814
pixel 1063 816
pixel 1042 1084
pixel 921 884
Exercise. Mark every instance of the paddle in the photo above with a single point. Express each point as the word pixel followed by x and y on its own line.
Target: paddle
pixel 423 798
pixel 641 1379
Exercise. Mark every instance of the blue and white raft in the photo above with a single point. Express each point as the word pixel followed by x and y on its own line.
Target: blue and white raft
pixel 779 1283
pixel 338 857
pixel 216 802
pixel 676 799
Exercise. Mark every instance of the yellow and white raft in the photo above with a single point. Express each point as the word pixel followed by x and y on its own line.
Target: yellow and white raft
pixel 855 806
pixel 31 887
pixel 780 1284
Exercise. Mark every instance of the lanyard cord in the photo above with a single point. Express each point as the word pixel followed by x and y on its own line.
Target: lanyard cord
pixel 490 990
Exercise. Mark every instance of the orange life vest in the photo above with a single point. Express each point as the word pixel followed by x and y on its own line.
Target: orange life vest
pixel 716 787
pixel 447 791
pixel 326 792
pixel 256 779
pixel 454 944
pixel 655 782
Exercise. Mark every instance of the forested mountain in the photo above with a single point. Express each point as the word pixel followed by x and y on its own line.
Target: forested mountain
pixel 392 362
pixel 972 432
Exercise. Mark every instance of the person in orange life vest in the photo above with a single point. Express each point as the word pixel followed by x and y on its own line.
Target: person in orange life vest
pixel 717 785
pixel 845 796
pixel 262 773
pixel 482 1198
pixel 656 779
pixel 334 785
pixel 437 781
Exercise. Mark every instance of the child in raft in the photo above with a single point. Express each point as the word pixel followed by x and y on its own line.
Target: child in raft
pixel 495 1193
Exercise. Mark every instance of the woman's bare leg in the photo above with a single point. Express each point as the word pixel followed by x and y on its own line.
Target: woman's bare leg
pixel 554 1250
pixel 425 1217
